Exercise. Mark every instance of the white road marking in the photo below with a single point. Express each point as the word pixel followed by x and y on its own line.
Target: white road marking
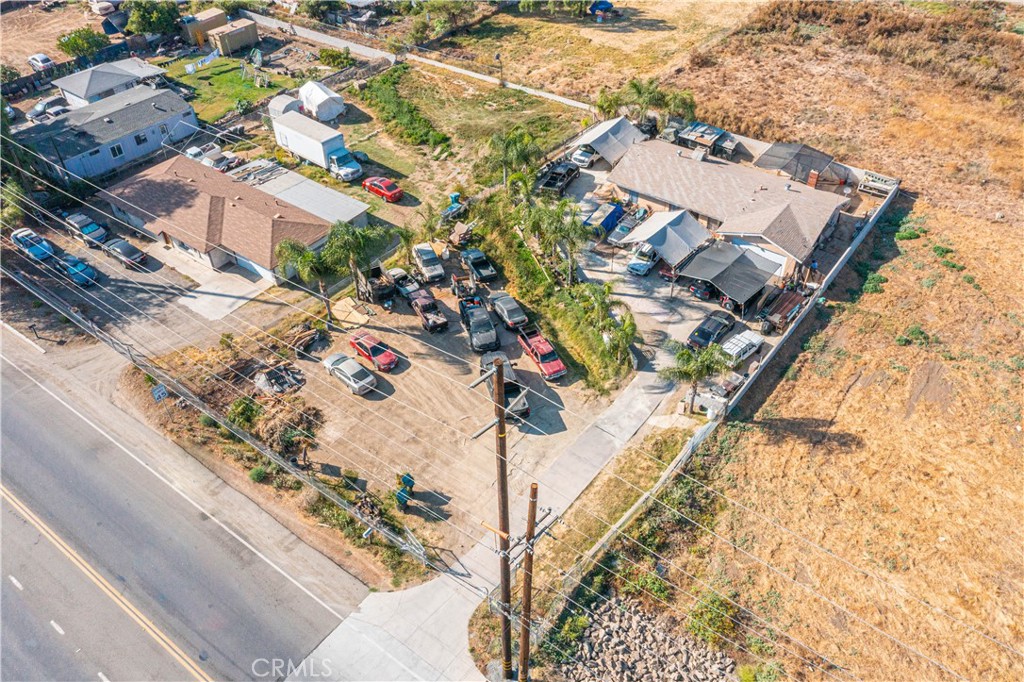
pixel 195 504
pixel 15 582
pixel 103 677
pixel 56 627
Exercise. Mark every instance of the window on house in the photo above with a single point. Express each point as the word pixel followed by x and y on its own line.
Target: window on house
pixel 141 139
pixel 163 130
pixel 94 152
pixel 116 151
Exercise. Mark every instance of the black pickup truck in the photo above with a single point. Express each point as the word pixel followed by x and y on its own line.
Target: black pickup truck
pixel 558 178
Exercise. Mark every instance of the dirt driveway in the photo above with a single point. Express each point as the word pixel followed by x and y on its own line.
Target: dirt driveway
pixel 422 414
pixel 28 30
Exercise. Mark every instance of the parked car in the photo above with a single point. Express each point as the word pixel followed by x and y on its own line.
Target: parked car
pixel 351 373
pixel 739 347
pixel 198 153
pixel 31 244
pixel 702 291
pixel 77 270
pixel 222 161
pixel 425 307
pixel 584 156
pixel 516 404
pixel 374 350
pixel 404 282
pixel 127 254
pixel 483 336
pixel 643 261
pixel 386 189
pixel 429 265
pixel 40 62
pixel 39 111
pixel 558 178
pixel 55 112
pixel 625 226
pixel 544 355
pixel 507 309
pixel 86 230
pixel 711 329
pixel 477 263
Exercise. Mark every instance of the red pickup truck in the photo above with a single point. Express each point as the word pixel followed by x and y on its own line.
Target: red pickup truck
pixel 543 353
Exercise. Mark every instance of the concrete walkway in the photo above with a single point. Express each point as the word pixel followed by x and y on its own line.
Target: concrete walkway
pixel 425 629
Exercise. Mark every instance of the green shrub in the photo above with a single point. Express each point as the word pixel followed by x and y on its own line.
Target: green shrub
pixel 244 411
pixel 969 279
pixel 337 59
pixel 712 619
pixel 412 126
pixel 941 251
pixel 641 581
pixel 915 334
pixel 258 474
pixel 904 235
pixel 747 673
pixel 954 266
pixel 207 421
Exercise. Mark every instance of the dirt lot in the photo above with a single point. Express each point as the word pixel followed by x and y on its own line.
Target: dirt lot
pixel 28 30
pixel 577 57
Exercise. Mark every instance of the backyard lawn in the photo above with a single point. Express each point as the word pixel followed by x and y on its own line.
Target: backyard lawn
pixel 220 85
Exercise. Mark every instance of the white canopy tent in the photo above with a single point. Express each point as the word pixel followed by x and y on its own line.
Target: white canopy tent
pixel 673 234
pixel 611 139
pixel 321 102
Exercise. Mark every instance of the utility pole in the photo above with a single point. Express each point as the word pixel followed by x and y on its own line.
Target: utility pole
pixel 503 525
pixel 524 620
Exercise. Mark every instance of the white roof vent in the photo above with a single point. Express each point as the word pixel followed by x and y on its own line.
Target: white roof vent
pixel 107 119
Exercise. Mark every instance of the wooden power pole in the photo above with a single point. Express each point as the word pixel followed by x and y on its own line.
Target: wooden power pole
pixel 503 525
pixel 524 621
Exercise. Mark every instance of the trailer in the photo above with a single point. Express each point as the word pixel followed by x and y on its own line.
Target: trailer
pixel 777 316
pixel 374 285
pixel 316 143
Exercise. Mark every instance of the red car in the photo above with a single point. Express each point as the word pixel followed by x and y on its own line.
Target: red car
pixel 374 350
pixel 542 352
pixel 384 188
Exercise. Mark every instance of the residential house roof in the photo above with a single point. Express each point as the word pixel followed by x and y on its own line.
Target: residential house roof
pixel 612 138
pixel 207 209
pixel 294 188
pixel 737 272
pixel 86 128
pixel 726 192
pixel 793 159
pixel 99 79
pixel 207 14
pixel 673 234
pixel 230 27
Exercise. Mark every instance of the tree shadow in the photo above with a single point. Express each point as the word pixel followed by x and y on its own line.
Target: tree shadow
pixel 430 505
pixel 811 430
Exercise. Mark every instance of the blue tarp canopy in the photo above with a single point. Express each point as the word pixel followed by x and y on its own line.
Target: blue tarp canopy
pixel 600 6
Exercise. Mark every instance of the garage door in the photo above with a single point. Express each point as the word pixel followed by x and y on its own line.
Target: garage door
pixel 253 267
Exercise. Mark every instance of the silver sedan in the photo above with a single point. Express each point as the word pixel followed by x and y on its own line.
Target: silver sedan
pixel 351 373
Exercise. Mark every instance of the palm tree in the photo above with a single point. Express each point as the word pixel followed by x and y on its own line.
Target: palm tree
pixel 348 247
pixel 644 95
pixel 608 103
pixel 430 215
pixel 679 103
pixel 513 150
pixel 573 233
pixel 406 240
pixel 309 265
pixel 695 366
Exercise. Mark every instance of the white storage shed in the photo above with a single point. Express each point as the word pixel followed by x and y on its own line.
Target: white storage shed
pixel 321 102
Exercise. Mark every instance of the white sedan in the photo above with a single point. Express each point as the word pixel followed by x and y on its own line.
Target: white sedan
pixel 351 373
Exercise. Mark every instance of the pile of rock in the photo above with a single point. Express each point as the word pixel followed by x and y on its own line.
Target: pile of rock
pixel 625 643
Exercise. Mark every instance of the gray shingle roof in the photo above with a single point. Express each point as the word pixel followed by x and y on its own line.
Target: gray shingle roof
pixel 84 129
pixel 729 192
pixel 99 79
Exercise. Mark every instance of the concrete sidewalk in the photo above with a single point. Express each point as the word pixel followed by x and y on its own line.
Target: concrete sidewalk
pixel 425 629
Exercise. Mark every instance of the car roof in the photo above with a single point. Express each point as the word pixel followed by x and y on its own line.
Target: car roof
pixel 365 336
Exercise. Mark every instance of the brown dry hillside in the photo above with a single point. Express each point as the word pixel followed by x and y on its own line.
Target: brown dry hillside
pixel 894 440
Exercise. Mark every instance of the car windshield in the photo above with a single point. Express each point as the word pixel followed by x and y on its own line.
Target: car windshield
pixel 31 239
pixel 703 333
pixel 512 391
pixel 429 259
pixel 345 158
pixel 360 374
pixel 77 266
pixel 90 228
pixel 550 356
pixel 478 321
pixel 377 348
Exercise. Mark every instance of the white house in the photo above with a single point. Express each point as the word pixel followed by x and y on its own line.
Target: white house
pixel 102 137
pixel 99 82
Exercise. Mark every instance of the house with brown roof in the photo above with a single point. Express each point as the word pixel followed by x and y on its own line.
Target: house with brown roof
pixel 213 217
pixel 773 215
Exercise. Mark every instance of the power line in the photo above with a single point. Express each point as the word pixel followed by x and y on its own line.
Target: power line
pixel 657 501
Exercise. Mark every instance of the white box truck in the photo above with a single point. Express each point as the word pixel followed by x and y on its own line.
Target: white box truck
pixel 317 144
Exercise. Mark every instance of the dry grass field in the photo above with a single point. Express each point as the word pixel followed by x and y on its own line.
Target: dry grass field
pixel 28 30
pixel 893 439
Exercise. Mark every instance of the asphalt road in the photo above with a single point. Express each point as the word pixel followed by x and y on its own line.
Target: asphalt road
pixel 146 585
